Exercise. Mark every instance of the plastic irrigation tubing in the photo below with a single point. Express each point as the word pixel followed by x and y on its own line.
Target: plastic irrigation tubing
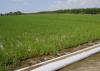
pixel 64 62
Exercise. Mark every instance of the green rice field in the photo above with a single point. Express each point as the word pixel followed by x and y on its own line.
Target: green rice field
pixel 26 36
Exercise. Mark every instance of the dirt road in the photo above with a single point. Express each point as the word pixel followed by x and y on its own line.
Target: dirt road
pixel 91 63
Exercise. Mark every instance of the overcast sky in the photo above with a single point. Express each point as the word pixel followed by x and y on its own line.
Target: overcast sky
pixel 40 5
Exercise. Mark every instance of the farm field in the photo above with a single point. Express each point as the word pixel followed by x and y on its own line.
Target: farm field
pixel 26 36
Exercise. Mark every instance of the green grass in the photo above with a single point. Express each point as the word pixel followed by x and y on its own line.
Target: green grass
pixel 22 37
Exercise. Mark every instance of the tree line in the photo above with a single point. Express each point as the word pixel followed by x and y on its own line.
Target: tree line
pixel 76 11
pixel 12 13
pixel 69 11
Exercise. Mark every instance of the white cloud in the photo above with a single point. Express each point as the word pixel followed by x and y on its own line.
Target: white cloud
pixel 65 4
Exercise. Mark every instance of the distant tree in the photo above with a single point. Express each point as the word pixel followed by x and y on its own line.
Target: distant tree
pixel 14 13
pixel 67 11
pixel 76 11
pixel 1 14
pixel 18 13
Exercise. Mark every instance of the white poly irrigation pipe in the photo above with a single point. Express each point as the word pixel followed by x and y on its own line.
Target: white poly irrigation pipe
pixel 58 58
pixel 62 63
